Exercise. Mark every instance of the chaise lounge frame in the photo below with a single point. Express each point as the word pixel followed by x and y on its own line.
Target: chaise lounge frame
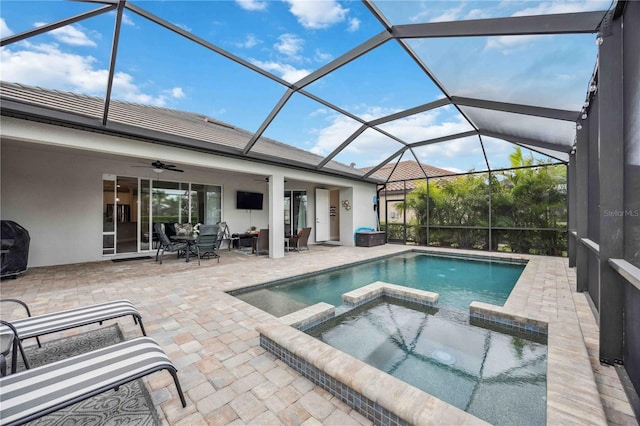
pixel 33 393
pixel 39 325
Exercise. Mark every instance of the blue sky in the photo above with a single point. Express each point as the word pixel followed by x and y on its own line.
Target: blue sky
pixel 290 39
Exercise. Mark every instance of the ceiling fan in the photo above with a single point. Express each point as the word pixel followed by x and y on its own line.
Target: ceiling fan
pixel 159 167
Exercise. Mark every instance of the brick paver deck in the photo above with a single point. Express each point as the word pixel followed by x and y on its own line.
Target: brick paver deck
pixel 229 379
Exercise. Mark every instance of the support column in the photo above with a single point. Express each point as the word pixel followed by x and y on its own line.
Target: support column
pixel 276 215
pixel 582 206
pixel 571 207
pixel 611 165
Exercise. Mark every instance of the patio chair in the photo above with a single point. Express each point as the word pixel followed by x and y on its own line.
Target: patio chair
pixel 261 242
pixel 33 393
pixel 207 243
pixel 165 244
pixel 10 343
pixel 300 240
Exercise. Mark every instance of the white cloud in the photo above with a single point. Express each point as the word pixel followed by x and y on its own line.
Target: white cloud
pixel 319 112
pixel 47 66
pixel 372 147
pixel 177 93
pixel 425 126
pixel 287 72
pixel 70 34
pixel 563 6
pixel 328 138
pixel 321 56
pixel 252 5
pixel 420 16
pixel 249 42
pixel 465 152
pixel 452 14
pixel 354 24
pixel 127 20
pixel 289 45
pixel 511 44
pixel 317 14
pixel 5 31
pixel 476 14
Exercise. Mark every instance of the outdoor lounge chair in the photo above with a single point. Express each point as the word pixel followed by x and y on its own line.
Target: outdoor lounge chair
pixel 39 325
pixel 166 244
pixel 31 394
pixel 296 242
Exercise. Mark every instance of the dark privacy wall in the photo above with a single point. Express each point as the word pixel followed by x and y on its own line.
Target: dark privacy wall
pixel 631 69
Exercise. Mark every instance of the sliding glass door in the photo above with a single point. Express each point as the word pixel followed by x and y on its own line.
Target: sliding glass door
pixel 131 206
pixel 295 212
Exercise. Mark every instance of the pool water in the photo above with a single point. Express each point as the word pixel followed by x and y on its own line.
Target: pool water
pixel 459 281
pixel 497 377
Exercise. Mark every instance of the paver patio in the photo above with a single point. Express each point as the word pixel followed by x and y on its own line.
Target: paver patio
pixel 229 379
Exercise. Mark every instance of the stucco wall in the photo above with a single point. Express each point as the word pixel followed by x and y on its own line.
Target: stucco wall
pixel 54 189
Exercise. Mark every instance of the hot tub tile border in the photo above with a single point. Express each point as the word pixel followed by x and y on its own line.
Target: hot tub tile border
pixel 368 408
pixel 358 384
pixel 370 292
pixel 495 316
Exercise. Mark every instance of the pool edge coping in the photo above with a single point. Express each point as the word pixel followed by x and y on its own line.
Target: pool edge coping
pixel 561 342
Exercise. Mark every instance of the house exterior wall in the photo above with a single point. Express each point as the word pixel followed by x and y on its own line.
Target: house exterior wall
pixel 394 207
pixel 51 184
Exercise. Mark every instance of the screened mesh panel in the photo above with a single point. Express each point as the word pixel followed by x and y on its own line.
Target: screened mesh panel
pixel 369 149
pixel 181 84
pixel 502 155
pixel 560 133
pixel 391 168
pixel 410 12
pixel 45 12
pixel 311 126
pixel 529 70
pixel 287 41
pixel 459 201
pixel 428 125
pixel 553 155
pixel 362 86
pixel 458 155
pixel 52 60
pixel 256 51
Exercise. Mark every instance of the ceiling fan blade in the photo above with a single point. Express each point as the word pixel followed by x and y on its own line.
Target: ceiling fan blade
pixel 171 168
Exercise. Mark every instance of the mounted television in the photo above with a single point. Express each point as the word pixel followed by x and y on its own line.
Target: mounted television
pixel 248 200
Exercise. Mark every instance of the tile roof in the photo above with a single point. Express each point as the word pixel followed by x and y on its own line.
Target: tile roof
pixel 408 171
pixel 190 130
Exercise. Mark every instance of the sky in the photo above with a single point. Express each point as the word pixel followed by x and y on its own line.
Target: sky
pixel 290 39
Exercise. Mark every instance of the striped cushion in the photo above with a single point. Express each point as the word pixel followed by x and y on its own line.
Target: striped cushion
pixel 63 320
pixel 33 393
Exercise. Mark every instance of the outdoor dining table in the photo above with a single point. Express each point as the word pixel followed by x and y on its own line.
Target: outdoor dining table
pixel 189 239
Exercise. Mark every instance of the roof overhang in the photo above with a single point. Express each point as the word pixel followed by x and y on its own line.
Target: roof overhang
pixel 30 112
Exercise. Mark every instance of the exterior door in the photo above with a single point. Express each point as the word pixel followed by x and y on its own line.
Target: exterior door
pixel 323 230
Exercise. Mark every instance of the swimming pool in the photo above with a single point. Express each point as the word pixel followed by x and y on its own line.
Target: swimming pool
pixel 458 280
pixel 497 377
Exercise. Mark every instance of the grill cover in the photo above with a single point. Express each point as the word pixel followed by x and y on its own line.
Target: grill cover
pixel 14 248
